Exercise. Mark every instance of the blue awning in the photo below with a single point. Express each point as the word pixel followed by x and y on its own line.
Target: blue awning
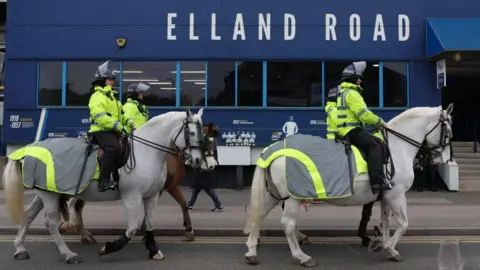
pixel 452 35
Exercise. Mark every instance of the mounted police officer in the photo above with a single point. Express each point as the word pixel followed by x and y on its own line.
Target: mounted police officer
pixel 331 111
pixel 106 122
pixel 352 115
pixel 135 111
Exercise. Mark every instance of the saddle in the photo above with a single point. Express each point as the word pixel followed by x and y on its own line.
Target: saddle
pixel 120 160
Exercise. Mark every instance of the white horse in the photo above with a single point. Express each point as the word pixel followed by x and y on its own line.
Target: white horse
pixel 138 189
pixel 409 129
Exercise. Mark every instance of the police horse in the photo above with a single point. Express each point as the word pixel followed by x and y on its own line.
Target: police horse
pixel 72 210
pixel 272 183
pixel 139 188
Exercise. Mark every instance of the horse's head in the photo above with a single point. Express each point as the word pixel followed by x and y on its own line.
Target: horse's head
pixel 439 136
pixel 191 140
pixel 211 154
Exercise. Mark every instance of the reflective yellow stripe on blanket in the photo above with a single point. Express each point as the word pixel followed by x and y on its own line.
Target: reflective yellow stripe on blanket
pixel 305 160
pixel 43 155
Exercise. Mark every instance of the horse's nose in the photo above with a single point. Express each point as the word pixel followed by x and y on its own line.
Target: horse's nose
pixel 197 161
pixel 210 167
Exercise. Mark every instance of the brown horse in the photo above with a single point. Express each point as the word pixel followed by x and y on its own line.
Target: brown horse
pixel 175 174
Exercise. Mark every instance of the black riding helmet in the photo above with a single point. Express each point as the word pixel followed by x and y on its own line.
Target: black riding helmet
pixel 137 88
pixel 353 72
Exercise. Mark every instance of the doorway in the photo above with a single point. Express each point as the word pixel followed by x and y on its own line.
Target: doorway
pixel 463 90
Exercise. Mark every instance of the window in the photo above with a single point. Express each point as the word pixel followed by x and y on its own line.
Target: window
pixel 192 86
pixel 80 76
pixel 370 84
pixel 221 83
pixel 250 84
pixel 395 84
pixel 50 84
pixel 161 76
pixel 294 84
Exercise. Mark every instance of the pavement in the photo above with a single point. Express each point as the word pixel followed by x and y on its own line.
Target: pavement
pixel 429 213
pixel 229 255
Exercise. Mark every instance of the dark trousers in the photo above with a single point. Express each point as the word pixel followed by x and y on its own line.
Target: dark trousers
pixel 108 141
pixel 373 151
pixel 210 191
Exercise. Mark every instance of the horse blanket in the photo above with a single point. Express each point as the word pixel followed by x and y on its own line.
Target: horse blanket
pixel 316 168
pixel 55 164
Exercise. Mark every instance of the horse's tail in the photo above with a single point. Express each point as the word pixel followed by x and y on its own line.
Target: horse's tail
pixel 257 201
pixel 14 191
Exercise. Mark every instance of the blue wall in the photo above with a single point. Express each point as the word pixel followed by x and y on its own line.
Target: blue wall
pixel 67 30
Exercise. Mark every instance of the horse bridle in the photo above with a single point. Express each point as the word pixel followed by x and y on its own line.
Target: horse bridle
pixel 211 149
pixel 185 151
pixel 435 151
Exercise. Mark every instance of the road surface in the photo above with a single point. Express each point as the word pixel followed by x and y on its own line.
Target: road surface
pixel 228 254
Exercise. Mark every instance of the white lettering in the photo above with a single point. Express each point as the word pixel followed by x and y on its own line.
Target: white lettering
pixel 354 27
pixel 264 26
pixel 289 32
pixel 171 26
pixel 239 29
pixel 213 28
pixel 403 25
pixel 330 23
pixel 191 27
pixel 379 28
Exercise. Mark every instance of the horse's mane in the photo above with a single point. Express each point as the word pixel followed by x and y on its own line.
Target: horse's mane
pixel 168 115
pixel 414 113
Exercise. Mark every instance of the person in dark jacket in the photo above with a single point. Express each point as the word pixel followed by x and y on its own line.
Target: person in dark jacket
pixel 205 181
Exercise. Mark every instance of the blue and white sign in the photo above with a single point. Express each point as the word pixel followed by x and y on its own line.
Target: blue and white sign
pixel 441 74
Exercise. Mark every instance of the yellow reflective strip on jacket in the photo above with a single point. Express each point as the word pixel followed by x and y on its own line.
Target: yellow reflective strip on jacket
pixel 309 164
pixel 43 155
pixel 331 111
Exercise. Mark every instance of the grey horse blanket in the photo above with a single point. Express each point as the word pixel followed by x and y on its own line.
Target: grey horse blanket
pixel 56 164
pixel 316 167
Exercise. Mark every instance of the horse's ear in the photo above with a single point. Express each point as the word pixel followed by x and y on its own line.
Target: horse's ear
pixel 189 113
pixel 200 112
pixel 449 109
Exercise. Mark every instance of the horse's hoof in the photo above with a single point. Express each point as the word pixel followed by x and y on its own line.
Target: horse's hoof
pixel 395 258
pixel 375 246
pixel 189 236
pixel 366 241
pixel 74 260
pixel 157 256
pixel 21 256
pixel 103 250
pixel 310 263
pixel 88 239
pixel 304 241
pixel 252 260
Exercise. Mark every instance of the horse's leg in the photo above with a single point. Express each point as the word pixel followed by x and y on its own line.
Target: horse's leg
pixel 362 227
pixel 51 203
pixel 30 214
pixel 289 221
pixel 67 209
pixel 177 194
pixel 269 206
pixel 385 223
pixel 398 206
pixel 86 237
pixel 154 252
pixel 135 215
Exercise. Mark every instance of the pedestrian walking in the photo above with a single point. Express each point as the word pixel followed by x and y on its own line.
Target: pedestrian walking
pixel 205 181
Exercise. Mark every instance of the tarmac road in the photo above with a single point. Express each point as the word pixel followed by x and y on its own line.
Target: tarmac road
pixel 228 253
